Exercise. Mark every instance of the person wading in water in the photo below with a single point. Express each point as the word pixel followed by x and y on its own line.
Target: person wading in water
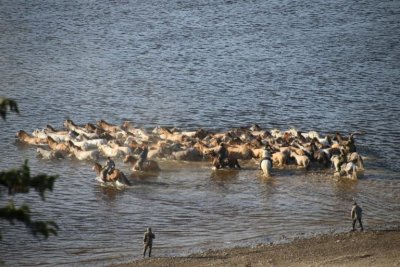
pixel 266 154
pixel 222 155
pixel 109 168
pixel 142 157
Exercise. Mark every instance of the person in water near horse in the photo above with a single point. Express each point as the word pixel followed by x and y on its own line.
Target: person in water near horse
pixel 148 241
pixel 266 154
pixel 109 168
pixel 356 214
pixel 222 154
pixel 142 156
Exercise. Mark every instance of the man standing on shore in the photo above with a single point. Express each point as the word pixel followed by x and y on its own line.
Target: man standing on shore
pixel 356 214
pixel 148 241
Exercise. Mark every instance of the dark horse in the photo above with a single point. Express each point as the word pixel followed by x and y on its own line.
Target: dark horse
pixel 229 162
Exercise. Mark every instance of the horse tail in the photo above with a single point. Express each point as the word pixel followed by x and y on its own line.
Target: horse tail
pixel 354 171
pixel 307 163
pixel 266 166
pixel 123 179
pixel 237 163
pixel 360 162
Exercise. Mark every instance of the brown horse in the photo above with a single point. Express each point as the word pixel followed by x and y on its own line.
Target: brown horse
pixel 108 127
pixel 203 148
pixel 279 158
pixel 58 146
pixel 115 176
pixel 24 137
pixel 165 133
pixel 148 165
pixel 243 152
pixel 83 154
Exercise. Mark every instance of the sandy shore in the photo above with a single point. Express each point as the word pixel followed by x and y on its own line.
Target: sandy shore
pixel 357 249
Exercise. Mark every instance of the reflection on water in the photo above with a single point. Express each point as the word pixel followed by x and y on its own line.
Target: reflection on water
pixel 224 176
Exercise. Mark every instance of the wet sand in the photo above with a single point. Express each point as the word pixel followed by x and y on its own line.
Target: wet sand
pixel 357 249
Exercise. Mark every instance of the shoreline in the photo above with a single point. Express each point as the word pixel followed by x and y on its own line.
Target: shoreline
pixel 374 247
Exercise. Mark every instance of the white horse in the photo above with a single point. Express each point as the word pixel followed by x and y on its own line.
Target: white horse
pixel 90 143
pixel 49 154
pixel 266 167
pixel 39 133
pixel 356 159
pixel 335 162
pixel 44 133
pixel 349 170
pixel 83 154
pixel 71 126
pixel 124 149
pixel 109 151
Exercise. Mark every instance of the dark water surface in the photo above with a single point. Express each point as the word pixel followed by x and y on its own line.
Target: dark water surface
pixel 313 65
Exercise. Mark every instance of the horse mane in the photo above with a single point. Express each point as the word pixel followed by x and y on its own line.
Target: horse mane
pixel 21 133
pixel 97 167
pixel 90 127
pixel 104 122
pixel 51 128
pixel 49 138
pixel 100 122
pixel 165 130
pixel 338 137
pixel 69 121
pixel 71 144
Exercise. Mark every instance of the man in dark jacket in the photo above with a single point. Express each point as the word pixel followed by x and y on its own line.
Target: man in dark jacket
pixel 148 241
pixel 109 168
pixel 356 214
pixel 143 156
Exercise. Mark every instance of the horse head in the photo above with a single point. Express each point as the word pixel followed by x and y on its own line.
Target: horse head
pixel 90 127
pixel 107 126
pixel 97 168
pixel 127 125
pixel 69 124
pixel 130 159
pixel 21 134
pixel 50 128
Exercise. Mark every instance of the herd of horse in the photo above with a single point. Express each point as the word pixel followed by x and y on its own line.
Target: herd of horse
pixel 94 142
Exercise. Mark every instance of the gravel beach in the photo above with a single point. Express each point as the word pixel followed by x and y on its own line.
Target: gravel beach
pixel 369 248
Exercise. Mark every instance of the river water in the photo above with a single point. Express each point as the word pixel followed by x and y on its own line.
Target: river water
pixel 314 65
